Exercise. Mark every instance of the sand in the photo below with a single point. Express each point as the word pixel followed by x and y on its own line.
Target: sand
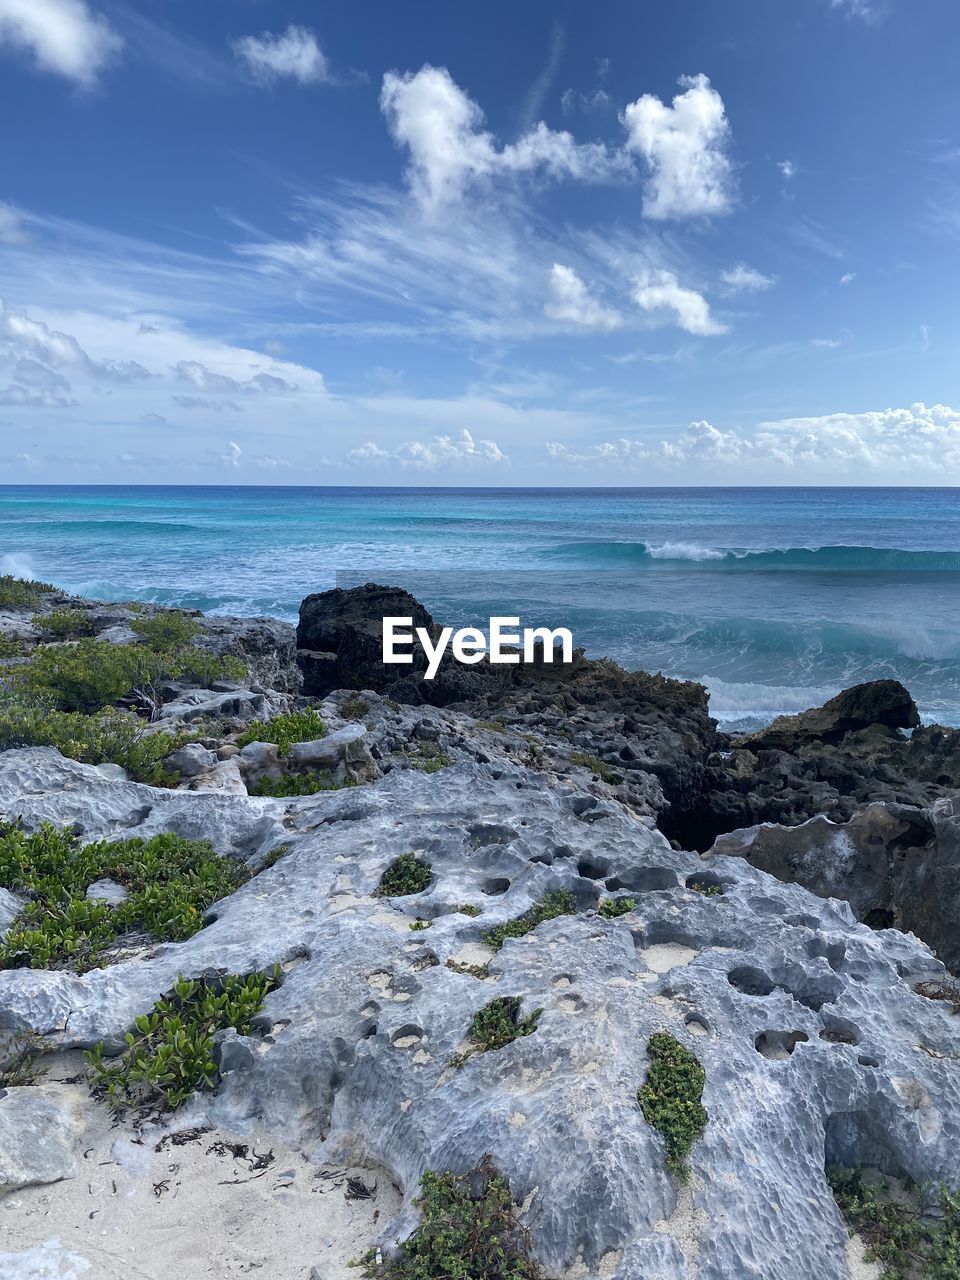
pixel 205 1204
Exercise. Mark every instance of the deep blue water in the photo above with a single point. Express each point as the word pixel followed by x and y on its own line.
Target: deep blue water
pixel 776 598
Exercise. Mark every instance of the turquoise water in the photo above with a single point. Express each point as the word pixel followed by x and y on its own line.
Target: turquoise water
pixel 776 598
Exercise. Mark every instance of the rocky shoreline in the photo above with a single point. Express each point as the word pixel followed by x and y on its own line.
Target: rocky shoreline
pixel 752 898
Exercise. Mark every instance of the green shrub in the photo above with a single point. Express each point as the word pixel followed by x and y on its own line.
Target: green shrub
pixel 428 757
pixel 169 1053
pixel 11 648
pixel 298 784
pixel 499 1023
pixel 21 593
pixel 910 1241
pixel 468 909
pixel 611 908
pixel 470 1229
pixel 284 730
pixel 166 632
pixel 670 1099
pixel 91 673
pixel 115 737
pixel 560 903
pixel 171 883
pixel 405 875
pixel 64 624
pixel 597 766
pixel 354 708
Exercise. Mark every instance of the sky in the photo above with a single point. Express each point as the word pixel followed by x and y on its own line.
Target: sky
pixel 661 243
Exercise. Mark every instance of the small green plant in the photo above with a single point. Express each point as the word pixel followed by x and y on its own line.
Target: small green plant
pixel 611 908
pixel 11 648
pixel 18 1059
pixel 670 1099
pixel 597 766
pixel 709 888
pixel 273 857
pixel 169 1053
pixel 471 970
pixel 912 1243
pixel 470 1229
pixel 499 1023
pixel 428 757
pixel 64 624
pixel 354 708
pixel 492 726
pixel 21 593
pixel 299 784
pixel 166 632
pixel 418 926
pixel 284 730
pixel 405 875
pixel 117 737
pixel 551 905
pixel 468 909
pixel 170 881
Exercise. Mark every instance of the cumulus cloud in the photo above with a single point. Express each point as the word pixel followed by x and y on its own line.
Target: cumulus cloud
pixel 203 378
pixel 570 302
pixel 33 397
pixel 787 168
pixel 442 127
pixel 200 402
pixel 296 54
pixel 12 228
pixel 440 451
pixel 62 36
pixel 743 279
pixel 153 419
pixel 661 291
pixel 23 338
pixel 684 145
pixel 902 441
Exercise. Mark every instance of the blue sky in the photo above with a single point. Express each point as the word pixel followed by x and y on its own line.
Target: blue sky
pixel 677 242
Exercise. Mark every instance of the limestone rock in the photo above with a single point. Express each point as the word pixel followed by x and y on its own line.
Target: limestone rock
pixel 814 1042
pixel 191 759
pixel 107 891
pixel 240 704
pixel 40 1128
pixel 877 702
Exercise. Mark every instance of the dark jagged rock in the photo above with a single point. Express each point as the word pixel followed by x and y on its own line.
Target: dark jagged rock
pixel 897 866
pixel 878 702
pixel 648 736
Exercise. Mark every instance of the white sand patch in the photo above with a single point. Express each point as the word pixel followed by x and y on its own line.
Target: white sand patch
pixel 857 1266
pixel 663 956
pixel 204 1204
pixel 686 1225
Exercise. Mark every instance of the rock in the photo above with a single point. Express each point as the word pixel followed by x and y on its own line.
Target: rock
pixel 47 1261
pixel 15 626
pixel 878 702
pixel 347 625
pixel 223 775
pixel 40 1129
pixel 107 891
pixel 227 751
pixel 240 704
pixel 190 760
pixel 369 1015
pixel 119 634
pixel 345 747
pixel 897 866
pixel 115 771
pixel 258 760
pixel 10 908
pixel 266 645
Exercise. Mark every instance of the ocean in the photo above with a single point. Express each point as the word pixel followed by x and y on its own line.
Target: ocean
pixel 774 598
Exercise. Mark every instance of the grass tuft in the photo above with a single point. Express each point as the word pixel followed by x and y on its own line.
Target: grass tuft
pixel 405 875
pixel 560 903
pixel 284 730
pixel 499 1023
pixel 611 908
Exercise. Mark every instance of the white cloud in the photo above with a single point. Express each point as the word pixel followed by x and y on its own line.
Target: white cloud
pixel 22 337
pixel 570 302
pixel 196 373
pixel 63 36
pixel 691 175
pixel 200 402
pixel 787 168
pixel 661 291
pixel 12 229
pixel 440 451
pixel 741 278
pixel 848 278
pixel 233 455
pixel 866 9
pixel 442 127
pixel 888 442
pixel 296 54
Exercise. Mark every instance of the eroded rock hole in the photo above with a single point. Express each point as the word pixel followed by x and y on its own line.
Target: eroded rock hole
pixel 495 886
pixel 750 981
pixel 592 869
pixel 644 880
pixel 779 1045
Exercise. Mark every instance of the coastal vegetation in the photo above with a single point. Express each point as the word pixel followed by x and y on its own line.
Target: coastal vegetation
pixel 169 1052
pixel 22 593
pixel 559 903
pixel 167 883
pixel 285 729
pixel 405 875
pixel 670 1099
pixel 911 1234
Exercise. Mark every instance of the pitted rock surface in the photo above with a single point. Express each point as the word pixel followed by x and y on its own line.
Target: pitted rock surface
pixel 814 1043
